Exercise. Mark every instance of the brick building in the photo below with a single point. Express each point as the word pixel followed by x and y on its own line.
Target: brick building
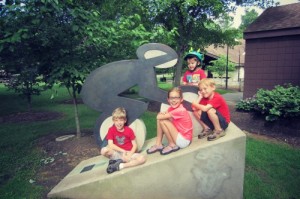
pixel 273 49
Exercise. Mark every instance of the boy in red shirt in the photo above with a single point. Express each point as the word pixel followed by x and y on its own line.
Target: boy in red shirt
pixel 122 146
pixel 211 110
pixel 194 74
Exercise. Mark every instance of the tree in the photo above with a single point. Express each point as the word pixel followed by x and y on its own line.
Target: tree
pixel 55 40
pixel 219 66
pixel 194 23
pixel 65 40
pixel 248 18
pixel 15 55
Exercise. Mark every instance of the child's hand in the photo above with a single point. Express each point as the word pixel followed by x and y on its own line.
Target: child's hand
pixel 200 95
pixel 126 156
pixel 194 103
pixel 163 113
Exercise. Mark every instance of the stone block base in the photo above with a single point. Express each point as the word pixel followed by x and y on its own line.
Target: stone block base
pixel 203 170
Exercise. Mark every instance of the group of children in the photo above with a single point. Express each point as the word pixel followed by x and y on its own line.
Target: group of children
pixel 210 109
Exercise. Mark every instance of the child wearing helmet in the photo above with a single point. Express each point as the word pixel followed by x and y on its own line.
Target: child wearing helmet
pixel 194 74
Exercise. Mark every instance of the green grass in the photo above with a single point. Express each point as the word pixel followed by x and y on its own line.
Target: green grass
pixel 272 170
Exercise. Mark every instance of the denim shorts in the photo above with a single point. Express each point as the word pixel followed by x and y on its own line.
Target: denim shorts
pixel 205 119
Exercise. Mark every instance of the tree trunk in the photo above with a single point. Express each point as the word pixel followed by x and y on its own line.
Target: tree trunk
pixel 28 96
pixel 29 102
pixel 78 132
pixel 73 95
pixel 178 69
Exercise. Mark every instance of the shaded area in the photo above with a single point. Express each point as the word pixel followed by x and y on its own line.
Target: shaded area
pixel 31 117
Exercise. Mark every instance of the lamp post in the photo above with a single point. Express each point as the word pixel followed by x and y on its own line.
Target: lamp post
pixel 239 67
pixel 226 81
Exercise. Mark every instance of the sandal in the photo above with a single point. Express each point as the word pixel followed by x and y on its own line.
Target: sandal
pixel 154 149
pixel 216 135
pixel 168 149
pixel 204 133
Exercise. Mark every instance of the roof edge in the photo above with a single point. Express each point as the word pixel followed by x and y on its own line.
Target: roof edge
pixel 272 33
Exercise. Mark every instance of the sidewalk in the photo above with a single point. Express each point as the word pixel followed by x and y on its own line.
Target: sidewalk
pixel 233 97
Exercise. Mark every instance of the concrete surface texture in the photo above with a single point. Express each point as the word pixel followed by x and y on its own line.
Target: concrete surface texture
pixel 204 170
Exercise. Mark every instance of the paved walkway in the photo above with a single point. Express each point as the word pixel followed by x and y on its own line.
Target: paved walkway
pixel 233 97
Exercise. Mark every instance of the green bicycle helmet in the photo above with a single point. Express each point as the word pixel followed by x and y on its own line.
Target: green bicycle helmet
pixel 194 54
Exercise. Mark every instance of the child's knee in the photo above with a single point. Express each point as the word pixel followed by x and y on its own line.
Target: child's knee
pixel 142 159
pixel 160 122
pixel 104 151
pixel 211 111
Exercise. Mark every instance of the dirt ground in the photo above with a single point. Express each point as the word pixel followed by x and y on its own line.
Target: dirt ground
pixel 60 157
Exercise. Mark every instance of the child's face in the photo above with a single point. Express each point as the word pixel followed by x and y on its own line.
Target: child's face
pixel 206 90
pixel 174 99
pixel 192 63
pixel 119 123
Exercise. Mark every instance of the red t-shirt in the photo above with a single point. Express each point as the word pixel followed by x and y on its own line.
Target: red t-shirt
pixel 121 139
pixel 182 121
pixel 218 103
pixel 193 77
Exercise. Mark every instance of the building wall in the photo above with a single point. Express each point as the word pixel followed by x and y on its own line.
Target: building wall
pixel 270 62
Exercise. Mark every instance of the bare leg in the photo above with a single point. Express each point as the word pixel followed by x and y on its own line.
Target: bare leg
pixel 107 152
pixel 214 119
pixel 159 132
pixel 138 160
pixel 170 131
pixel 198 116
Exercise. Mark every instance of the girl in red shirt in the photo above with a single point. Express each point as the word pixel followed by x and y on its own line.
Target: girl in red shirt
pixel 175 124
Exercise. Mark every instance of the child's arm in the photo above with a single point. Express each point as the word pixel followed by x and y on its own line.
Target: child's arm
pixel 197 106
pixel 163 116
pixel 127 155
pixel 111 145
pixel 134 146
pixel 201 107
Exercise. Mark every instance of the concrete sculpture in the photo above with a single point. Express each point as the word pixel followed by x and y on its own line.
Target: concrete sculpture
pixel 204 170
pixel 102 88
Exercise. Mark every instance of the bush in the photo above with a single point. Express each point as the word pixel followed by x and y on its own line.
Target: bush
pixel 281 102
pixel 246 105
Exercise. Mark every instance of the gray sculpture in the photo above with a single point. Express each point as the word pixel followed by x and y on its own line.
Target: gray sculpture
pixel 102 88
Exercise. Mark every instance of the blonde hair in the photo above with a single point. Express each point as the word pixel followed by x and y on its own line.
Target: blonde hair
pixel 176 89
pixel 207 82
pixel 119 113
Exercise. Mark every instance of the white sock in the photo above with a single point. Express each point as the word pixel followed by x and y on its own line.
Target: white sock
pixel 121 166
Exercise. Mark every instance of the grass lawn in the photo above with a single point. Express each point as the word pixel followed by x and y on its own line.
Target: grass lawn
pixel 272 170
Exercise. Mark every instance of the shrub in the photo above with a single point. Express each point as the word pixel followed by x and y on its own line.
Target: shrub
pixel 246 105
pixel 281 102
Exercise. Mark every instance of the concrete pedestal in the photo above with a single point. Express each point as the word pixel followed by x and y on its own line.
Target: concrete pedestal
pixel 204 170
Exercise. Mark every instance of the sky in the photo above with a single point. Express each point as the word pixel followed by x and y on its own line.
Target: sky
pixel 241 11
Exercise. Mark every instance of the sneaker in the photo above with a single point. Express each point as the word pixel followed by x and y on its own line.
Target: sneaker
pixel 111 162
pixel 204 133
pixel 216 135
pixel 114 166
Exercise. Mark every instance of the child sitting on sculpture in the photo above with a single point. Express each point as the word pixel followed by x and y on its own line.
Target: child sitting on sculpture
pixel 175 124
pixel 122 145
pixel 194 73
pixel 211 110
